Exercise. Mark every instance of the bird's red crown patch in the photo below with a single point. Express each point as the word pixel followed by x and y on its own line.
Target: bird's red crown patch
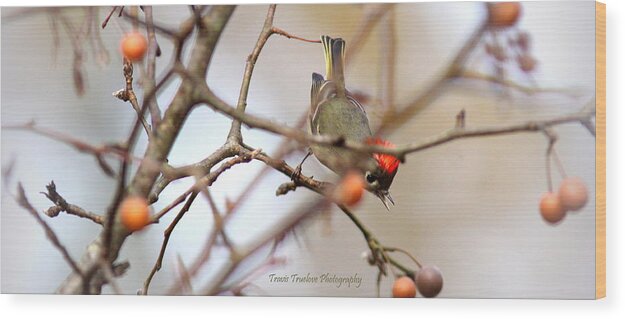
pixel 388 163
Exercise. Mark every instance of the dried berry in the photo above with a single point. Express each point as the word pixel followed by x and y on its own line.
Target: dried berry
pixel 429 281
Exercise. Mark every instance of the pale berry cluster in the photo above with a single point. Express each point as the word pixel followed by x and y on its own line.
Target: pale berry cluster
pixel 506 42
pixel 571 196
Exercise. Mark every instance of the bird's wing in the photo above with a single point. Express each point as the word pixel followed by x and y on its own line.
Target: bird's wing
pixel 320 91
pixel 317 83
pixel 341 117
pixel 355 102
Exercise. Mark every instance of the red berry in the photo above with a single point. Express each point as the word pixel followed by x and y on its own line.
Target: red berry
pixel 429 281
pixel 573 193
pixel 551 208
pixel 503 14
pixel 404 287
pixel 133 46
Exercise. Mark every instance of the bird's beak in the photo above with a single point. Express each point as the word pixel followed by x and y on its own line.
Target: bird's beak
pixel 385 197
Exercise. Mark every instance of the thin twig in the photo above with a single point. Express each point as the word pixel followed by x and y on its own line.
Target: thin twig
pixel 159 28
pixel 97 151
pixel 266 32
pixel 128 95
pixel 369 20
pixel 166 235
pixel 21 199
pixel 218 221
pixel 202 167
pixel 530 90
pixel 157 217
pixel 405 252
pixel 278 31
pixel 292 220
pixel 108 17
pixel 63 205
pixel 184 274
pixel 400 152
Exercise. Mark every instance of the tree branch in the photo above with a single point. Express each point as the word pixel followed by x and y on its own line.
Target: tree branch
pixel 158 148
pixel 266 32
pixel 401 151
pixel 63 205
pixel 21 199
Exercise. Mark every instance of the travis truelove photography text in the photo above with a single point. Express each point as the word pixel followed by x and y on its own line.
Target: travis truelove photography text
pixel 338 281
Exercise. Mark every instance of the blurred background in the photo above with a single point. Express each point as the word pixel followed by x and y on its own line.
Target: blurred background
pixel 469 207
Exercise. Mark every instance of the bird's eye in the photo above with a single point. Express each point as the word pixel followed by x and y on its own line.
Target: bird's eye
pixel 371 178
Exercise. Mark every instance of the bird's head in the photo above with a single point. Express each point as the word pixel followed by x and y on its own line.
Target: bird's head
pixel 380 176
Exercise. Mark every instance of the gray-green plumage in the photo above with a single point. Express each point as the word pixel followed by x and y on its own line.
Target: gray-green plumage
pixel 335 112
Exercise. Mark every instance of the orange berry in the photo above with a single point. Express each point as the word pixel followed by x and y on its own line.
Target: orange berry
pixel 349 190
pixel 551 208
pixel 503 14
pixel 573 193
pixel 404 287
pixel 133 46
pixel 134 213
pixel 429 281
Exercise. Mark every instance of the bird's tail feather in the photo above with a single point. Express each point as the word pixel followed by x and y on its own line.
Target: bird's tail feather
pixel 334 50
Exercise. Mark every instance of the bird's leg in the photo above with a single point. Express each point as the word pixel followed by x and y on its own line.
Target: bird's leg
pixel 298 169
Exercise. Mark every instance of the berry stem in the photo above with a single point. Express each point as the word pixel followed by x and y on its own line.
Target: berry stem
pixel 559 164
pixel 405 252
pixel 548 162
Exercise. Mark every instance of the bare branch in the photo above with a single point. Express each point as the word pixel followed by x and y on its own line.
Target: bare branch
pixel 161 29
pixel 108 16
pixel 278 31
pixel 530 90
pixel 393 121
pixel 97 151
pixel 21 199
pixel 159 261
pixel 112 239
pixel 462 133
pixel 128 95
pixel 235 129
pixel 202 167
pixel 62 205
pixel 184 275
pixel 400 152
pixel 369 20
pixel 292 220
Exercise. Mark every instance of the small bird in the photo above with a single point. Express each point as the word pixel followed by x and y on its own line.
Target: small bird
pixel 335 112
